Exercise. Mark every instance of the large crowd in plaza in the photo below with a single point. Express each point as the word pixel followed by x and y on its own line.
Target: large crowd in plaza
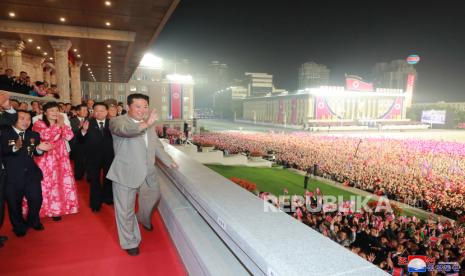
pixel 422 173
pixel 427 174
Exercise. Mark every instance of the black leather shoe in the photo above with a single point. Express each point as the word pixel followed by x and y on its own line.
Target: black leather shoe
pixel 56 218
pixel 3 238
pixel 20 234
pixel 133 251
pixel 1 244
pixel 148 228
pixel 95 210
pixel 39 227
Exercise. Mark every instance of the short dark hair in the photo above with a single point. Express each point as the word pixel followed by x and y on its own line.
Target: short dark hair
pixel 79 107
pixel 14 100
pixel 23 111
pixel 22 72
pixel 102 104
pixel 134 96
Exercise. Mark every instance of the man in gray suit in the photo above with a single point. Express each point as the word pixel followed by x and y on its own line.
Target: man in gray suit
pixel 133 170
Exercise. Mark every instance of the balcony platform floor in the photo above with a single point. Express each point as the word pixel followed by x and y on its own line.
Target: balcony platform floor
pixel 87 244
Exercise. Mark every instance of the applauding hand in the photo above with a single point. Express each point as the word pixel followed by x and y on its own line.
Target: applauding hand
pixel 85 126
pixel 45 146
pixel 60 120
pixel 5 99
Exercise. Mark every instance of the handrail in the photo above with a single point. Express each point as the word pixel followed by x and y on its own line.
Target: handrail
pixel 28 98
pixel 266 243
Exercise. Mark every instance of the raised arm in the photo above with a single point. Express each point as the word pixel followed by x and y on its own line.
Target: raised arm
pixel 122 127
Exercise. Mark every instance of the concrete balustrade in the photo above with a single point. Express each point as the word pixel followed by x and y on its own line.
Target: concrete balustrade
pixel 221 229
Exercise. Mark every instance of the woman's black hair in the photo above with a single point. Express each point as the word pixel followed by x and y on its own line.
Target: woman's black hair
pixel 44 108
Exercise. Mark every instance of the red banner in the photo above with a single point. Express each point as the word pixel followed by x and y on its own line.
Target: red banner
pixel 358 85
pixel 395 112
pixel 322 111
pixel 176 101
pixel 410 83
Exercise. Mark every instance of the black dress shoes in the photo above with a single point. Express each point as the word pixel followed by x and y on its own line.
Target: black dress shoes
pixel 95 210
pixel 3 238
pixel 20 234
pixel 108 202
pixel 148 228
pixel 133 251
pixel 38 227
pixel 56 218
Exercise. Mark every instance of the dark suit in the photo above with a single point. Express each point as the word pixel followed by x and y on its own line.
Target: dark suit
pixel 6 119
pixel 6 83
pixel 77 150
pixel 23 178
pixel 99 155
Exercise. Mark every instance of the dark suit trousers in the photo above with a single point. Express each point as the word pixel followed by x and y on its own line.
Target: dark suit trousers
pixel 79 163
pixel 15 192
pixel 2 196
pixel 100 191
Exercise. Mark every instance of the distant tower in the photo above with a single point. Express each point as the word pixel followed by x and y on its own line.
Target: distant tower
pixel 397 74
pixel 312 74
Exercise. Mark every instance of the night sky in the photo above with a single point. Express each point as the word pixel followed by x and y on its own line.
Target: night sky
pixel 347 36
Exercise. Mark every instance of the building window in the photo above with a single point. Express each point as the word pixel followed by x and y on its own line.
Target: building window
pixel 143 88
pixel 121 87
pixel 133 88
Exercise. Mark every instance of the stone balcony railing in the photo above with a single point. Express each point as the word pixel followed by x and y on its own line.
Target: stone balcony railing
pixel 28 98
pixel 222 229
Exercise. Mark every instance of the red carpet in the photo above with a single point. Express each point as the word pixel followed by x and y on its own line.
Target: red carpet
pixel 87 244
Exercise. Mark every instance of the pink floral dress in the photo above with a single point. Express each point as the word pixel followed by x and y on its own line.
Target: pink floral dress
pixel 58 187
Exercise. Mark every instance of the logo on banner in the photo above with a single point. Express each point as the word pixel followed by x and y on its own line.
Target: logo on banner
pixel 175 95
pixel 355 84
pixel 397 106
pixel 416 263
pixel 321 105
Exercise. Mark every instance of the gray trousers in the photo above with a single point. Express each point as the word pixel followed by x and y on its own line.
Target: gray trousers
pixel 124 199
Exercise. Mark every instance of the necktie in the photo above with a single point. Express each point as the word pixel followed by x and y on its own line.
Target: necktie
pixel 101 127
pixel 21 134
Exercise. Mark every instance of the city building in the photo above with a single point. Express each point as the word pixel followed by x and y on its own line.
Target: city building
pixel 313 75
pixel 397 74
pixel 258 84
pixel 171 94
pixel 327 104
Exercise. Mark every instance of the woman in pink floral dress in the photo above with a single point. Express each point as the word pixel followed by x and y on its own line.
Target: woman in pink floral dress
pixel 58 187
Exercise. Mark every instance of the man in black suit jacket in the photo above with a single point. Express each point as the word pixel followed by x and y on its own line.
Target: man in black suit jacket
pixel 98 144
pixel 19 145
pixel 7 80
pixel 7 118
pixel 77 149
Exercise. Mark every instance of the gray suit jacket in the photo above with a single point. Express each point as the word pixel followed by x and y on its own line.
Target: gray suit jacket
pixel 134 161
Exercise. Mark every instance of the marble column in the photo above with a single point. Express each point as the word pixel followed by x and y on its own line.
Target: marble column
pixel 53 77
pixel 38 74
pixel 76 93
pixel 46 72
pixel 61 47
pixel 12 57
